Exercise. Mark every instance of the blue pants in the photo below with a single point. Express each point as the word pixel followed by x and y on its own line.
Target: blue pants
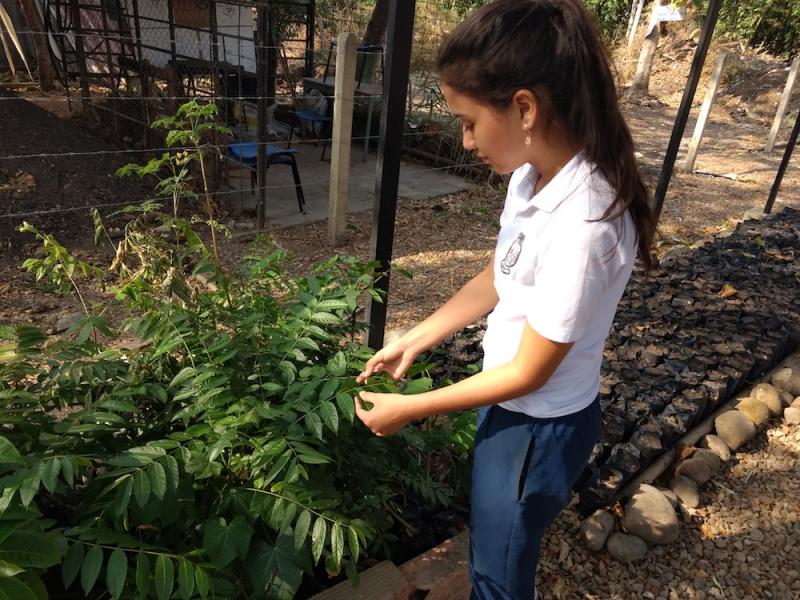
pixel 522 477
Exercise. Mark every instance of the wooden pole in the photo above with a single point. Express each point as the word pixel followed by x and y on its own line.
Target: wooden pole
pixel 631 13
pixel 212 28
pixel 343 92
pixel 633 23
pixel 782 105
pixel 171 24
pixel 144 78
pixel 686 104
pixel 702 118
pixel 400 35
pixel 47 72
pixel 79 53
pixel 310 32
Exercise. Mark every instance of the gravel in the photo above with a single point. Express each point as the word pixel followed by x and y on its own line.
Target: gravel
pixel 741 544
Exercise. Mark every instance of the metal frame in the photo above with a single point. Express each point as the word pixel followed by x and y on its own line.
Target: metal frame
pixel 787 155
pixel 120 46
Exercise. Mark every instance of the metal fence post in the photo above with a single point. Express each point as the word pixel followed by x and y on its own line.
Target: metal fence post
pixel 787 155
pixel 400 37
pixel 262 76
pixel 686 104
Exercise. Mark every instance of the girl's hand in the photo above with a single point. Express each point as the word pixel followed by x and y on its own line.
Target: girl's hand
pixel 394 359
pixel 389 412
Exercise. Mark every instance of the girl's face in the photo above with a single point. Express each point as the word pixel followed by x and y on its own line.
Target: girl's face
pixel 496 136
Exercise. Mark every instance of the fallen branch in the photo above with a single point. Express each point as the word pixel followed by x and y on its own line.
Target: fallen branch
pixel 731 176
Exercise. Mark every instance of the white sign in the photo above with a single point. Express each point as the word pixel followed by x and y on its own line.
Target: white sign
pixel 669 12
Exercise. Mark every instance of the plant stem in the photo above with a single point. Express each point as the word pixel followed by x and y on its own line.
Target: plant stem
pixel 209 209
pixel 77 291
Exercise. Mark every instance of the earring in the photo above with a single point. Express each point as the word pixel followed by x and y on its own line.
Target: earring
pixel 528 140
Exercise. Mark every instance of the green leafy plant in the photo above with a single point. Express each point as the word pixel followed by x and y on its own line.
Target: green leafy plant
pixel 189 129
pixel 773 25
pixel 206 447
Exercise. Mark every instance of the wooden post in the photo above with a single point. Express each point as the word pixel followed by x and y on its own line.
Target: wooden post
pixel 79 53
pixel 716 74
pixel 784 103
pixel 344 89
pixel 310 31
pixel 212 27
pixel 144 78
pixel 47 72
pixel 633 21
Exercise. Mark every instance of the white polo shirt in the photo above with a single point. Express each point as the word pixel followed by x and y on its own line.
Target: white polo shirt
pixel 564 274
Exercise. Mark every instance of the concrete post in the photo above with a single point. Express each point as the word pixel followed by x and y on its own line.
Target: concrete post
pixel 343 102
pixel 784 103
pixel 705 109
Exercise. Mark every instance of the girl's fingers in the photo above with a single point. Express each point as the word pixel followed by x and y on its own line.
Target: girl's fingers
pixel 401 370
pixel 370 370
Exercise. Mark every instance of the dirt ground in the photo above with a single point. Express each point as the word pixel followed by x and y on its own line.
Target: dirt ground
pixel 443 241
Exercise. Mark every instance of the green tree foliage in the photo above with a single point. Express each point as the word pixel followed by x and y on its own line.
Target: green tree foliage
pixel 612 16
pixel 771 24
pixel 216 455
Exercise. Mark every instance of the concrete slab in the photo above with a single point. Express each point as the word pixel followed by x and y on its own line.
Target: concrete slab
pixel 417 181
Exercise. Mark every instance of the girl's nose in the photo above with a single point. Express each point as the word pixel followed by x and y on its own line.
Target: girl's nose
pixel 467 139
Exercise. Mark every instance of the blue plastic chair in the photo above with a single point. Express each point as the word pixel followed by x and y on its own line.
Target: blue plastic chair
pixel 313 117
pixel 246 153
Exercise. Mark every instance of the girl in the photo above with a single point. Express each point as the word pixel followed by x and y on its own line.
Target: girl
pixel 530 81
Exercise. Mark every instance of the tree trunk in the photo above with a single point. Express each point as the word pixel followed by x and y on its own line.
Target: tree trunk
pixel 641 80
pixel 376 28
pixel 47 73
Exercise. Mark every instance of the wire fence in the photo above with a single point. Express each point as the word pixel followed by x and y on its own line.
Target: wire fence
pixel 125 63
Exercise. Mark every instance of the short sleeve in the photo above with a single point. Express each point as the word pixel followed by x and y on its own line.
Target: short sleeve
pixel 570 282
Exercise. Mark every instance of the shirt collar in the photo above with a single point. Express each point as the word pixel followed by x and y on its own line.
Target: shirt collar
pixel 557 189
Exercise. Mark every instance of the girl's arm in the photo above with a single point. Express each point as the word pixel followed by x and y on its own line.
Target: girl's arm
pixel 536 360
pixel 471 302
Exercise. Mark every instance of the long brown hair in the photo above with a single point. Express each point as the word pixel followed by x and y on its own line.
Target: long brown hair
pixel 553 48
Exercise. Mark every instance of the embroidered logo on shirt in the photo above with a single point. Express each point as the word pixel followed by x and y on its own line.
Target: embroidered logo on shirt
pixel 512 256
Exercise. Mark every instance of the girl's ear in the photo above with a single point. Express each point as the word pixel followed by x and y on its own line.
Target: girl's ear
pixel 526 104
